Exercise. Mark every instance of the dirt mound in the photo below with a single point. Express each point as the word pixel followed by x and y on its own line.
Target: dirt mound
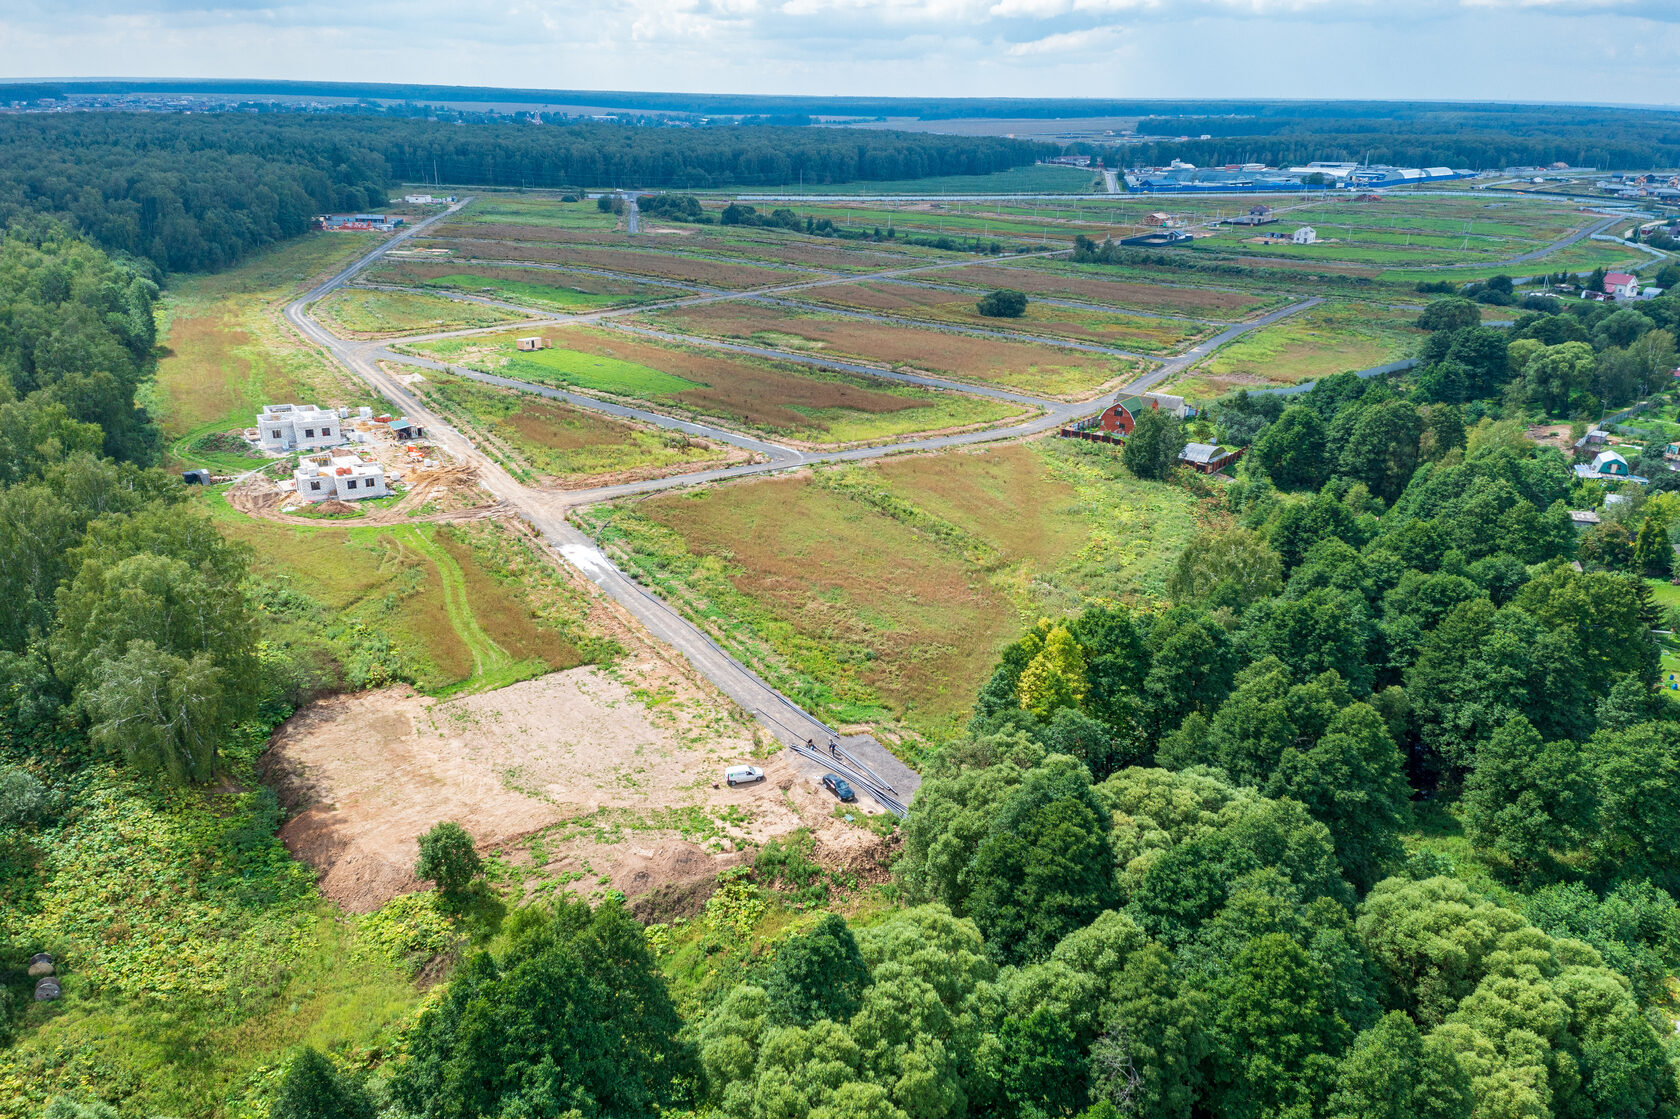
pixel 332 507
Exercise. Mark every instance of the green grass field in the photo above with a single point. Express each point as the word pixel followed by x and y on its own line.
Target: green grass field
pixel 447 608
pixel 544 440
pixel 359 312
pixel 226 354
pixel 1334 337
pixel 885 591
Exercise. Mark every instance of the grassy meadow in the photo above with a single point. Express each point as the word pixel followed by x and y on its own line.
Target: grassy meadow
pixel 884 591
pixel 364 313
pixel 1333 337
pixel 547 441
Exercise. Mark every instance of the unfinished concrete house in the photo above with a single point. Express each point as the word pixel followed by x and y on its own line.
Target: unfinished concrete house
pixel 298 427
pixel 343 477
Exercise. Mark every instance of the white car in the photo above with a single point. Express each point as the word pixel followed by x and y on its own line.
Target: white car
pixel 742 775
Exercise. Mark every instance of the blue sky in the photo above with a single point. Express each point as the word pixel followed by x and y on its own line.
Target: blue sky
pixel 1620 51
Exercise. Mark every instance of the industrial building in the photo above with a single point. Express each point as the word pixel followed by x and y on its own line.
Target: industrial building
pixel 1183 178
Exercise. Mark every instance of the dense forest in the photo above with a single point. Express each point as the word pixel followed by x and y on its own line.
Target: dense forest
pixel 1475 137
pixel 192 192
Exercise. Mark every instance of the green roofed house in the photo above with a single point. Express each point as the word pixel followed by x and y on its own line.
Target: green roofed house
pixel 1608 466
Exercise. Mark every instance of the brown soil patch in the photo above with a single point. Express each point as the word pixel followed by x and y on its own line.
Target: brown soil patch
pixel 571 777
pixel 933 351
pixel 664 265
pixel 1104 328
pixel 1552 435
pixel 1152 297
pixel 418 272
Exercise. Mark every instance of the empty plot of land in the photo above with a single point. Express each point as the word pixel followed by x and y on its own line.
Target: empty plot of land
pixel 635 262
pixel 1331 338
pixel 886 590
pixel 545 288
pixel 573 778
pixel 1086 284
pixel 555 443
pixel 361 313
pixel 1029 366
pixel 1146 335
pixel 802 403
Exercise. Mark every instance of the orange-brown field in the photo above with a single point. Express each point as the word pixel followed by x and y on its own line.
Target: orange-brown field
pixel 634 262
pixel 1130 332
pixel 1032 367
pixel 1196 302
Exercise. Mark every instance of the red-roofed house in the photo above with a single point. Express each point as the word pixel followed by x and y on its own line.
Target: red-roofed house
pixel 1621 285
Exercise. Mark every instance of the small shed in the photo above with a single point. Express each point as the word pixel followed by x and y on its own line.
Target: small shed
pixel 1583 517
pixel 199 477
pixel 404 428
pixel 528 344
pixel 1208 458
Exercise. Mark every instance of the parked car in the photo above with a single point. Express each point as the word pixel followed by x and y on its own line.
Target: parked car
pixel 836 784
pixel 742 775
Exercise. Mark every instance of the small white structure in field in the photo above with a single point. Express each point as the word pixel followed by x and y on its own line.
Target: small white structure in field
pixel 1306 235
pixel 528 344
pixel 344 477
pixel 298 427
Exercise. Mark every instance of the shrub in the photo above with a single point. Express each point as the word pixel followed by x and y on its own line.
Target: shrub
pixel 1003 304
pixel 447 858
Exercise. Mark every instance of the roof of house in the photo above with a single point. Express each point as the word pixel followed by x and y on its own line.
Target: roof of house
pixel 1201 452
pixel 1617 279
pixel 1605 458
pixel 1583 516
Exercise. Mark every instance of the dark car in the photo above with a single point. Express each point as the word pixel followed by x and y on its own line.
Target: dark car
pixel 836 784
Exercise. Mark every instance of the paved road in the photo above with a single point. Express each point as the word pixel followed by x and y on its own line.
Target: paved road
pixel 869 765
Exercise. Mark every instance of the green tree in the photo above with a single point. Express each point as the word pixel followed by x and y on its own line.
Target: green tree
pixel 1393 1072
pixel 1278 1034
pixel 1230 566
pixel 1526 800
pixel 1637 774
pixel 1148 1061
pixel 1055 677
pixel 818 973
pixel 1004 303
pixel 1046 867
pixel 1652 553
pixel 448 858
pixel 1382 447
pixel 574 1018
pixel 1451 314
pixel 313 1089
pixel 1043 1068
pixel 1295 450
pixel 162 712
pixel 1557 373
pixel 1151 450
pixel 1352 781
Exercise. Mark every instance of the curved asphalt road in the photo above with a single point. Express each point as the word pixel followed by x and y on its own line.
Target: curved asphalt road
pixel 869 766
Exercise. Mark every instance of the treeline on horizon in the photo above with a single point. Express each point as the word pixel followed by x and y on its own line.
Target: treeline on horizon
pixel 198 192
pixel 1477 137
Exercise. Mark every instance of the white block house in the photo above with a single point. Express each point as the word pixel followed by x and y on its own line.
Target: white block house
pixel 342 477
pixel 298 427
pixel 1306 235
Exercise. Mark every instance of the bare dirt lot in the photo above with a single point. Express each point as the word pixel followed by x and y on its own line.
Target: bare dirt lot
pixel 578 780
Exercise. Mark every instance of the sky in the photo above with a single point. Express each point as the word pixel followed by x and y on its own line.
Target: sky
pixel 1605 51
